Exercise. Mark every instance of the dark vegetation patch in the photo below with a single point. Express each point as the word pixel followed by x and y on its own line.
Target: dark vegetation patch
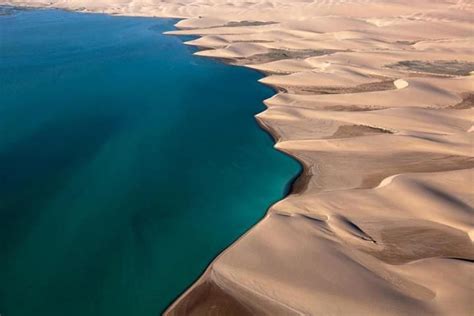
pixel 248 23
pixel 466 103
pixel 351 108
pixel 440 67
pixel 366 87
pixel 346 131
pixel 409 43
pixel 281 54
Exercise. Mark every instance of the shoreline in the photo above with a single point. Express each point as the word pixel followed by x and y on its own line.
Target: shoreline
pixel 381 205
pixel 288 189
pixel 291 188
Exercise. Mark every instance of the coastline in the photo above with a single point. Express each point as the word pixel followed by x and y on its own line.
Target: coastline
pixel 422 160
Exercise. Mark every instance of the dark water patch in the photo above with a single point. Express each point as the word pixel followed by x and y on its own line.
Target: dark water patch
pixel 11 10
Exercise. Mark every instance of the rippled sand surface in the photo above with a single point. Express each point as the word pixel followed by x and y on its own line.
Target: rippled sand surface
pixel 375 99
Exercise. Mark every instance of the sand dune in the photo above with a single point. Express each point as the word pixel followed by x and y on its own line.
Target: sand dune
pixel 375 100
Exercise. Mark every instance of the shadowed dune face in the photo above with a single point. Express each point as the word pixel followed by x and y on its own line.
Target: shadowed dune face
pixel 375 100
pixel 208 299
pixel 406 242
pixel 346 131
pixel 380 118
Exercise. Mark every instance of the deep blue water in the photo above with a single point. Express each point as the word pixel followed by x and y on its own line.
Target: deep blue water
pixel 126 164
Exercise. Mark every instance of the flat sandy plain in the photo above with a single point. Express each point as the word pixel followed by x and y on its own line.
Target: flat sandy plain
pixel 375 100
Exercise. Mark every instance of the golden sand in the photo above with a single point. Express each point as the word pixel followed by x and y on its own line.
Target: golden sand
pixel 375 100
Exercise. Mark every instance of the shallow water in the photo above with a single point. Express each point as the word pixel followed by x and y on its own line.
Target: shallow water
pixel 126 164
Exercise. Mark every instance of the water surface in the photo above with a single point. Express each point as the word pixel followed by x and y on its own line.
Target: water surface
pixel 126 164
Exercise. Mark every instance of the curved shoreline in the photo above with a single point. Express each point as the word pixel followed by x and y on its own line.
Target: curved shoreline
pixel 295 185
pixel 289 189
pixel 261 128
pixel 391 205
pixel 196 299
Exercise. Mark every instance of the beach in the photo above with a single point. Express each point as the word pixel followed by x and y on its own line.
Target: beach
pixel 374 99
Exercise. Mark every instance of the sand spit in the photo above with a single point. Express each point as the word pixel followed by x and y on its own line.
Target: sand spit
pixel 375 100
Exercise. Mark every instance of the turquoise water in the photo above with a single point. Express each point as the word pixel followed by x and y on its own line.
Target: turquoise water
pixel 126 164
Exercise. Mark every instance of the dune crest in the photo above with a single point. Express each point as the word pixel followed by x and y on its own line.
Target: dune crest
pixel 375 100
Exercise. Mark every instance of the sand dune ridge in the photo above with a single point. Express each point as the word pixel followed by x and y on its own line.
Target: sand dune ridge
pixel 375 100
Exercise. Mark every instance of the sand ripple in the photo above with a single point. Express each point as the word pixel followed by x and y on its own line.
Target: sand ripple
pixel 375 100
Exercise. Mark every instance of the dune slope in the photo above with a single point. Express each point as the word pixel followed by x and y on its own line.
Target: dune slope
pixel 375 100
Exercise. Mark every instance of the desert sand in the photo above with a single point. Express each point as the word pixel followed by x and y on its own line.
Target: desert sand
pixel 374 98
